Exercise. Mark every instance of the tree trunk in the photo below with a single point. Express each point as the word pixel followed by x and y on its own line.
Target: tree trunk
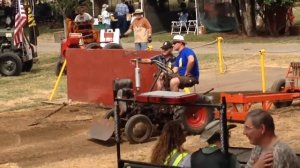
pixel 247 7
pixel 275 19
pixel 238 17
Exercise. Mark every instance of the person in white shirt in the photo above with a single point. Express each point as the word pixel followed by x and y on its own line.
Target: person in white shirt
pixel 83 16
pixel 105 16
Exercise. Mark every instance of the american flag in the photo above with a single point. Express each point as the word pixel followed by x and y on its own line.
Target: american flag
pixel 20 21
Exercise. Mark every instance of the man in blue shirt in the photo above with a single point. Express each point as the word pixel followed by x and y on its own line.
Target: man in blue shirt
pixel 122 10
pixel 186 66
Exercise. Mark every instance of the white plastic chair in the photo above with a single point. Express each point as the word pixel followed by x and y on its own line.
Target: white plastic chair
pixel 176 26
pixel 192 26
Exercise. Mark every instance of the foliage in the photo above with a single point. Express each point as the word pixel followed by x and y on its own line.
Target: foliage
pixel 283 3
pixel 65 7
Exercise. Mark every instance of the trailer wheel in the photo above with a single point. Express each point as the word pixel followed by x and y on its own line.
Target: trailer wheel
pixel 138 129
pixel 27 66
pixel 195 118
pixel 113 46
pixel 279 86
pixel 10 64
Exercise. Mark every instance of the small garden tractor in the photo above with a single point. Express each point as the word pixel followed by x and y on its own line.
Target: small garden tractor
pixel 83 35
pixel 139 118
pixel 14 60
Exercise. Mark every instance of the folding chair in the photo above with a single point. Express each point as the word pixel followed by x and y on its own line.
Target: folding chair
pixel 176 27
pixel 192 26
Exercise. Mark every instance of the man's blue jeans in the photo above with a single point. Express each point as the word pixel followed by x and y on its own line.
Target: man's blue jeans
pixel 141 46
pixel 122 24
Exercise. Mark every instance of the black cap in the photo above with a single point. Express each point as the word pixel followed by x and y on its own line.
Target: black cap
pixel 166 45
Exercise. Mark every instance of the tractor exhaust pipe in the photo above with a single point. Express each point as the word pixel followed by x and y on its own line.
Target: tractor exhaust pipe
pixel 137 74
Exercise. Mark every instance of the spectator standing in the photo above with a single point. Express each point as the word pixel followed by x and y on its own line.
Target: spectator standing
pixel 211 156
pixel 122 11
pixel 186 66
pixel 8 12
pixel 130 13
pixel 142 30
pixel 269 151
pixel 105 16
pixel 168 149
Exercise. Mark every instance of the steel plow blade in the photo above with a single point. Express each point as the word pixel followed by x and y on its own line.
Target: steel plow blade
pixel 102 129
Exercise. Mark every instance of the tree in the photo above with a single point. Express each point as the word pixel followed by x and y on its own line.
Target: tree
pixel 274 14
pixel 245 16
pixel 65 7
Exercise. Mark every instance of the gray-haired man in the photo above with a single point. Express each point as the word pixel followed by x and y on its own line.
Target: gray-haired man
pixel 269 150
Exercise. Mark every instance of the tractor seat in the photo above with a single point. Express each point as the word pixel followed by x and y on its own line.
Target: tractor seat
pixel 167 97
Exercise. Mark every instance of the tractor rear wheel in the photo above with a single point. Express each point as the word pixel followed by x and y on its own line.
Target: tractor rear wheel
pixel 27 66
pixel 10 64
pixel 93 46
pixel 195 118
pixel 58 67
pixel 138 129
pixel 279 86
pixel 113 46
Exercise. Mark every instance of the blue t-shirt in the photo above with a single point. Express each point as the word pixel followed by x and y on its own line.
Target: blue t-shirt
pixel 182 60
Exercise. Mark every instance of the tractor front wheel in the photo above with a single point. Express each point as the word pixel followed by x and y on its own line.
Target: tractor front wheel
pixel 138 129
pixel 279 86
pixel 10 64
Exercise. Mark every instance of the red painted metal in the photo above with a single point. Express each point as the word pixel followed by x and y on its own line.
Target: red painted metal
pixel 292 77
pixel 92 71
pixel 240 104
pixel 167 97
pixel 293 71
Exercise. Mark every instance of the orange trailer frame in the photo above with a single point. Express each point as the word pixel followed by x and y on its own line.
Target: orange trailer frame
pixel 238 105
pixel 289 90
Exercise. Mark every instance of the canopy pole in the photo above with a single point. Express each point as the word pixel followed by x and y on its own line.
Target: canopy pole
pixel 197 16
pixel 93 7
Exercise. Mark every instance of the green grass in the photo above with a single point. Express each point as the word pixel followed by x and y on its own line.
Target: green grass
pixel 228 38
pixel 30 89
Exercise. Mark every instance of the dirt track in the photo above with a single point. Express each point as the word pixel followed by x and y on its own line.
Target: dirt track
pixel 61 140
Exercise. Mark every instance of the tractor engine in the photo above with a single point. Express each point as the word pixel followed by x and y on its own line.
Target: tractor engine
pixel 123 89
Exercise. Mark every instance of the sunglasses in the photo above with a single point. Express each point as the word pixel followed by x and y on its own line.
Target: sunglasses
pixel 175 42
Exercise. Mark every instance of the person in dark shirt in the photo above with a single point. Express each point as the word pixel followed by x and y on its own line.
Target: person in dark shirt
pixel 211 156
pixel 8 12
pixel 167 58
pixel 130 7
